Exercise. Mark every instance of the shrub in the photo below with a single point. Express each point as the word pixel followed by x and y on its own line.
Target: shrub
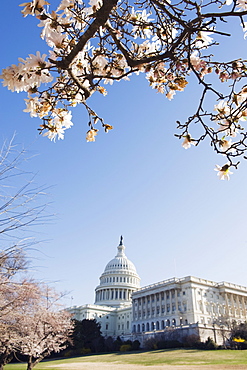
pixel 192 341
pixel 85 351
pixel 150 344
pixel 210 344
pixel 135 345
pixel 162 344
pixel 125 347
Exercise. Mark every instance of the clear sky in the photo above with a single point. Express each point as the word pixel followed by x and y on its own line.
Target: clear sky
pixel 176 216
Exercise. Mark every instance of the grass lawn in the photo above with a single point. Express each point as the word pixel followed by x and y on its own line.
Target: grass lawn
pixel 159 357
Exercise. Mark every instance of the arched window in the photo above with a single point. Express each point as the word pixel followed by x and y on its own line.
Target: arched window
pixel 138 328
pixel 134 328
pixel 147 326
pixel 152 326
pixel 157 325
pixel 174 322
pixel 168 323
pixel 143 327
pixel 162 324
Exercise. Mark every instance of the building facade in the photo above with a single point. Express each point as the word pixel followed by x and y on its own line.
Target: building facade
pixel 183 306
pixel 113 297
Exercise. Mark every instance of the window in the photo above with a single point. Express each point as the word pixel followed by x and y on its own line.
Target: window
pixel 106 326
pixel 113 279
pixel 120 280
pixel 183 292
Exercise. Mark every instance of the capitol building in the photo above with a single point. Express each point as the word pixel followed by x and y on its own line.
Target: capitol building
pixel 181 306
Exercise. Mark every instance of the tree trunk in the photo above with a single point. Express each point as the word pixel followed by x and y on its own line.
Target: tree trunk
pixel 29 363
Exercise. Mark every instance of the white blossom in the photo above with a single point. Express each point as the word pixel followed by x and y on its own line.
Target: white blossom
pixel 91 134
pixel 223 172
pixel 188 141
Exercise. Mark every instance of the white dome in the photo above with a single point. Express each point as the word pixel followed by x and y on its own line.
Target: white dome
pixel 118 281
pixel 120 262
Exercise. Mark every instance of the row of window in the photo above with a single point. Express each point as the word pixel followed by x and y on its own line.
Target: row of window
pixel 119 279
pixel 152 297
pixel 163 309
pixel 119 326
pixel 158 325
pixel 112 294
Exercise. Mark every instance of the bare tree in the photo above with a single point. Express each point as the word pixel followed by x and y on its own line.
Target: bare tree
pixel 110 40
pixel 20 209
pixel 20 205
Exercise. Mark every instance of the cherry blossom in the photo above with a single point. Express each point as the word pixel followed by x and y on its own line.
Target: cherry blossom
pixel 94 44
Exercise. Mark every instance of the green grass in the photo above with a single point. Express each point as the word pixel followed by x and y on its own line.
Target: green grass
pixel 159 357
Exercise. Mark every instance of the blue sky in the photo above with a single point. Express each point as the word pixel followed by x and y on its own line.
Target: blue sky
pixel 176 217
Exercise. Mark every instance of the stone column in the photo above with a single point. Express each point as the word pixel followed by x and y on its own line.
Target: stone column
pixel 227 305
pixel 238 305
pixel 176 300
pixel 233 305
pixel 243 306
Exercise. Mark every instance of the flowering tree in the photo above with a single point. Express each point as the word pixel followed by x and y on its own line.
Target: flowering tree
pixel 95 44
pixel 13 297
pixel 32 323
pixel 42 327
